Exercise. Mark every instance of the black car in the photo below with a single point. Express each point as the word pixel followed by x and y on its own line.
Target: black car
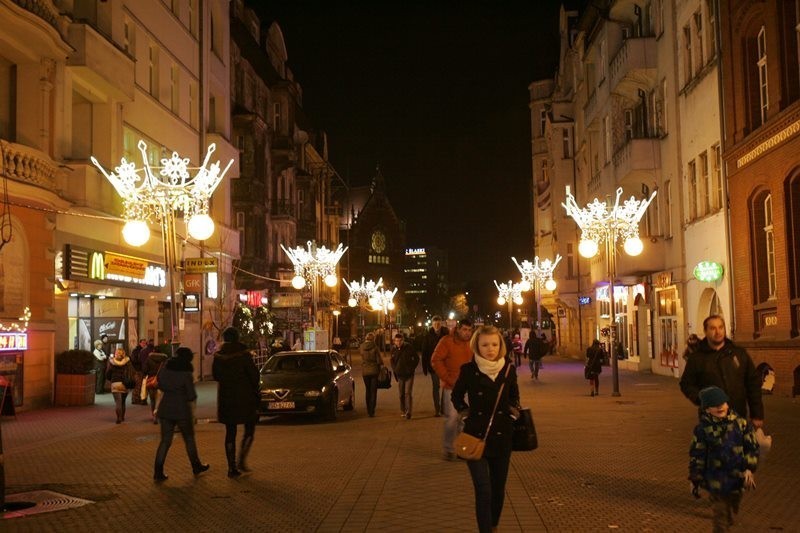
pixel 306 382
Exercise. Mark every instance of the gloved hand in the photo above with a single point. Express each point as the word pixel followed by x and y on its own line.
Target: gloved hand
pixel 463 414
pixel 695 488
pixel 513 412
pixel 749 480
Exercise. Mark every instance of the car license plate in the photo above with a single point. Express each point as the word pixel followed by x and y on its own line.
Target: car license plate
pixel 280 405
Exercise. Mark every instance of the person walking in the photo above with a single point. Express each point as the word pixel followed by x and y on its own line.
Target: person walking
pixel 176 383
pixel 404 363
pixel 429 342
pixel 723 456
pixel 452 352
pixel 516 349
pixel 594 367
pixel 535 350
pixel 151 366
pixel 100 364
pixel 721 363
pixel 480 381
pixel 371 364
pixel 136 361
pixel 121 375
pixel 237 397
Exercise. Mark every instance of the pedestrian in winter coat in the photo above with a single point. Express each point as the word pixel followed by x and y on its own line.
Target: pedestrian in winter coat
pixel 594 367
pixel 516 349
pixel 480 381
pixel 121 375
pixel 404 363
pixel 136 361
pixel 371 364
pixel 535 349
pixel 237 397
pixel 150 368
pixel 100 367
pixel 429 342
pixel 722 457
pixel 450 355
pixel 176 383
pixel 719 362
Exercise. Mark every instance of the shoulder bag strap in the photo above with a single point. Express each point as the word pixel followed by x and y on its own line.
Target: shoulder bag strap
pixel 497 402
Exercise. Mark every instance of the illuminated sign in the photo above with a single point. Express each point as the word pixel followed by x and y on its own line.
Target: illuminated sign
pixel 199 265
pixel 708 271
pixel 82 264
pixel 415 251
pixel 13 341
pixel 584 300
pixel 191 302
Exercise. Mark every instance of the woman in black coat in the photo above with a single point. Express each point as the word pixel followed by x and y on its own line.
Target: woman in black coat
pixel 176 382
pixel 480 381
pixel 237 396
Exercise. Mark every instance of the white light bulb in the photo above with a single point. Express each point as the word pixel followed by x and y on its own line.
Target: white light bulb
pixel 518 300
pixel 298 282
pixel 525 285
pixel 331 280
pixel 391 306
pixel 136 232
pixel 550 284
pixel 633 246
pixel 200 227
pixel 352 302
pixel 501 300
pixel 587 248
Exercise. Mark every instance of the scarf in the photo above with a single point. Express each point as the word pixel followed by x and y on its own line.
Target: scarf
pixel 490 368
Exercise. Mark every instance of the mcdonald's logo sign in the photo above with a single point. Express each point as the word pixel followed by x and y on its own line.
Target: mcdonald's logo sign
pixel 97 268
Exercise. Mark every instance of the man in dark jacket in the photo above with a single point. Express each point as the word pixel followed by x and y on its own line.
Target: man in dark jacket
pixel 237 396
pixel 720 363
pixel 535 349
pixel 404 364
pixel 429 342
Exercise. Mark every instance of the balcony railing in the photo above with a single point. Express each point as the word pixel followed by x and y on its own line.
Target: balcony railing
pixel 47 11
pixel 634 64
pixel 636 160
pixel 27 165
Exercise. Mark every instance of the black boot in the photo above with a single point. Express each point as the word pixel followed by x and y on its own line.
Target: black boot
pixel 158 474
pixel 230 454
pixel 247 442
pixel 198 468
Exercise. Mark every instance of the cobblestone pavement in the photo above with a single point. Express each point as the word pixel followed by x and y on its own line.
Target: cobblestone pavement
pixel 604 463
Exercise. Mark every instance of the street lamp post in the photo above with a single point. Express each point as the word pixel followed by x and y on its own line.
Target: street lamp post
pixel 535 276
pixel 510 293
pixel 600 224
pixel 311 264
pixel 360 293
pixel 149 196
pixel 383 300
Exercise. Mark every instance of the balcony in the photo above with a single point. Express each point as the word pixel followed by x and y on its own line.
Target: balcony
pixel 99 65
pixel 636 161
pixel 47 11
pixel 634 67
pixel 652 259
pixel 28 165
pixel 283 209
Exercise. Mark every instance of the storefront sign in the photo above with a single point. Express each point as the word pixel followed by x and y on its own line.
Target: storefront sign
pixel 199 265
pixel 783 135
pixel 708 271
pixel 113 328
pixel 13 341
pixel 415 251
pixel 191 302
pixel 109 268
pixel 286 299
pixel 193 283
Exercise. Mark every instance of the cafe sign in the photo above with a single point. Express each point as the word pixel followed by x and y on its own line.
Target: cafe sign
pixel 13 341
pixel 708 271
pixel 109 268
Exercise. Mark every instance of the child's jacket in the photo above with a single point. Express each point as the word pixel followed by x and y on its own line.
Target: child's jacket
pixel 721 450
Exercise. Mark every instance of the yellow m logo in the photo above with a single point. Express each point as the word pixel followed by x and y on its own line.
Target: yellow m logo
pixel 97 268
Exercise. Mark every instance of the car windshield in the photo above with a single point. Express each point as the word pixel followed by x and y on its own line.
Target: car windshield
pixel 296 363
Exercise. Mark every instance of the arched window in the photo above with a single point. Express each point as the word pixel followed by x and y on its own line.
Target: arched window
pixel 763 96
pixel 754 56
pixel 763 247
pixel 792 193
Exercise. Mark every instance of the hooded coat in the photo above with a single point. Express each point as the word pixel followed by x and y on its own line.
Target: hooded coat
pixel 370 358
pixel 238 379
pixel 729 368
pixel 176 381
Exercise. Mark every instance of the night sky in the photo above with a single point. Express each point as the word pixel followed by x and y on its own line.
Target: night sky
pixel 436 92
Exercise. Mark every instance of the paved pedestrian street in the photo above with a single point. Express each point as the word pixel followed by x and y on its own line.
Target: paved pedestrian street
pixel 604 463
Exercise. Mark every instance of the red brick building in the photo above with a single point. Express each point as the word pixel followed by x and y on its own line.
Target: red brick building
pixel 761 102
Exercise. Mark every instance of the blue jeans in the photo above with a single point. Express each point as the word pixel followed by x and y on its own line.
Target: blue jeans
pixel 452 422
pixel 406 387
pixel 167 431
pixel 489 476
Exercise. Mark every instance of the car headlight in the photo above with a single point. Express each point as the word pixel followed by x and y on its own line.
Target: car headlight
pixel 312 393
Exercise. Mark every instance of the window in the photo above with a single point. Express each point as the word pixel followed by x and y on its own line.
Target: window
pixel 601 70
pixel 212 30
pixel 661 110
pixel 628 124
pixel 762 75
pixel 192 17
pixel 212 114
pixel 699 39
pixel 193 105
pixel 792 193
pixel 769 248
pixel 705 185
pixel 716 177
pixel 129 37
pixel 240 226
pixel 566 134
pixel 174 89
pixel 763 247
pixel 711 37
pixel 667 209
pixel 276 117
pixel 542 121
pixel 544 177
pixel 153 70
pixel 660 21
pixel 688 69
pixel 608 138
pixel 692 190
pixel 570 261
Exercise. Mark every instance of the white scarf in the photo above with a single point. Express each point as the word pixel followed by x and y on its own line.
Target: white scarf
pixel 490 368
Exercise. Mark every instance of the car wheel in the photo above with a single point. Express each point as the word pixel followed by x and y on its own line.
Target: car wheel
pixel 333 406
pixel 352 403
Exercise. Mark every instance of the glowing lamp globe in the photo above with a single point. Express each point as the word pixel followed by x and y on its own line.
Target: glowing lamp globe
pixel 200 227
pixel 373 303
pixel 525 285
pixel 501 300
pixel 550 284
pixel 298 282
pixel 330 280
pixel 136 232
pixel 518 300
pixel 352 302
pixel 587 248
pixel 390 306
pixel 633 246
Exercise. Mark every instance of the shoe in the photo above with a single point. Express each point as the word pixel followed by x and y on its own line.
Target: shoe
pixel 118 421
pixel 402 415
pixel 158 478
pixel 408 416
pixel 449 456
pixel 234 473
pixel 199 469
pixel 591 393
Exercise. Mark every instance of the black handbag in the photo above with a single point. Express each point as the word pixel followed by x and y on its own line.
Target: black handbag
pixel 384 378
pixel 524 438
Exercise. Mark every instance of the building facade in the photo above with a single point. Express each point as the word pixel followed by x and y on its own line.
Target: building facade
pixel 425 282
